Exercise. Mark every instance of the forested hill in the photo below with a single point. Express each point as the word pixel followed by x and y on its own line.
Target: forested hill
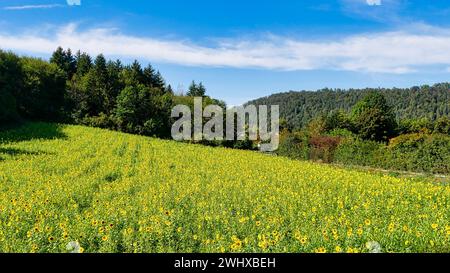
pixel 298 108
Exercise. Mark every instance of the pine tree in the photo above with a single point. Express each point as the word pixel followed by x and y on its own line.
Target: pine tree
pixel 83 63
pixel 59 58
pixel 169 89
pixel 196 90
pixel 149 75
pixel 137 72
pixel 201 90
pixel 192 90
pixel 159 81
pixel 65 61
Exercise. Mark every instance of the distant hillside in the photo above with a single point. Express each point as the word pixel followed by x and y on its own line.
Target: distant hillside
pixel 298 108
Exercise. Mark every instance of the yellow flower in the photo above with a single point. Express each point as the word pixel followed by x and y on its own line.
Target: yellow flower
pixel 349 232
pixel 105 238
pixel 338 249
pixel 359 231
pixel 434 226
pixel 367 222
pixel 320 250
pixel 303 240
pixel 391 227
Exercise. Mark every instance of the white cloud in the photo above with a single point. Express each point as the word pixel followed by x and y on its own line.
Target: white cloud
pixel 387 52
pixel 49 6
pixel 45 6
pixel 74 2
pixel 373 2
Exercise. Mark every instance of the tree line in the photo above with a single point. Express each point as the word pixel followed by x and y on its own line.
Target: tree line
pixel 299 108
pixel 79 89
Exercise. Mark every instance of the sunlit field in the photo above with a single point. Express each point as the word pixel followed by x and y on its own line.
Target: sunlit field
pixel 113 192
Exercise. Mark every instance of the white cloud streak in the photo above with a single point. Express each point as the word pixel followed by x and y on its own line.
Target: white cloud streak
pixel 386 52
pixel 49 6
pixel 373 2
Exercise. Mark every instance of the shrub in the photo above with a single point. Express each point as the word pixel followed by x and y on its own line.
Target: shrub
pixel 442 126
pixel 294 145
pixel 355 151
pixel 420 152
pixel 323 147
pixel 101 121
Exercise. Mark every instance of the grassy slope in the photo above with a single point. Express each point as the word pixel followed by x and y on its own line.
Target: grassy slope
pixel 115 192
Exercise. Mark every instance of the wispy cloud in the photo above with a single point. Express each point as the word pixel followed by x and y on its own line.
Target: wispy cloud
pixel 74 2
pixel 373 2
pixel 387 52
pixel 49 6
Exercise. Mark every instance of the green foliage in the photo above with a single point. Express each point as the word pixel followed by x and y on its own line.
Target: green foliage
pixel 43 92
pixel 294 145
pixel 408 126
pixel 143 110
pixel 196 90
pixel 338 119
pixel 11 80
pixel 101 121
pixel 7 107
pixel 420 152
pixel 340 132
pixel 298 108
pixel 65 61
pixel 442 126
pixel 373 118
pixel 355 151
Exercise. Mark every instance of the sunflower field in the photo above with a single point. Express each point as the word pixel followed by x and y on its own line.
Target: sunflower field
pixel 71 187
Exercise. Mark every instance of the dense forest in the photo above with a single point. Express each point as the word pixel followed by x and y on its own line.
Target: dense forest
pixel 79 89
pixel 299 108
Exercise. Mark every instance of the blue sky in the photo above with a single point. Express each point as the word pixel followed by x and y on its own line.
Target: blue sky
pixel 247 49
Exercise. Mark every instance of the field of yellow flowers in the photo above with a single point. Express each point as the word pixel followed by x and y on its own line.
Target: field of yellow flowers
pixel 103 191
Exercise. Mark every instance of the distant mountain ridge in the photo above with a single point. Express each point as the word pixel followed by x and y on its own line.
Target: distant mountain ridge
pixel 299 107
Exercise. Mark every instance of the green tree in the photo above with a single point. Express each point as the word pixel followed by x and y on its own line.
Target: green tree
pixel 159 81
pixel 65 61
pixel 43 93
pixel 442 126
pixel 83 63
pixel 337 120
pixel 141 110
pixel 11 80
pixel 373 118
pixel 196 90
pixel 169 89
